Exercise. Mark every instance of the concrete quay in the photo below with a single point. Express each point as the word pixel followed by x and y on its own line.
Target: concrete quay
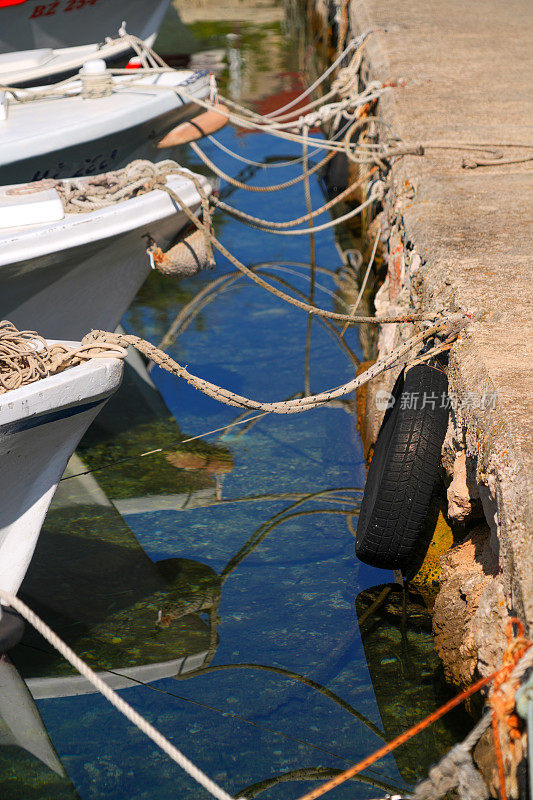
pixel 461 238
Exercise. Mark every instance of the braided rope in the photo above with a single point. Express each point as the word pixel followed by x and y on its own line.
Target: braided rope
pixel 456 769
pixel 26 357
pixel 445 327
pixel 90 194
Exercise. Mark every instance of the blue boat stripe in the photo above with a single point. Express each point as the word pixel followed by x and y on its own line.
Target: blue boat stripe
pixel 45 419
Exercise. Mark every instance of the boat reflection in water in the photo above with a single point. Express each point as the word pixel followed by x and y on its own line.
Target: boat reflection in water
pixel 28 760
pixel 133 620
pixel 133 625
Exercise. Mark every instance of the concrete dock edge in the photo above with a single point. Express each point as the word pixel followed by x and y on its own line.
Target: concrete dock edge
pixel 459 238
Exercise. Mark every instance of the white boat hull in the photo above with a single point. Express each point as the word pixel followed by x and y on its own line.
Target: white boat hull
pixel 45 65
pixel 68 23
pixel 40 427
pixel 83 272
pixel 104 133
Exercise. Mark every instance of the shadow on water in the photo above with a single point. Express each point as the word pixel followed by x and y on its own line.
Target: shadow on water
pixel 214 581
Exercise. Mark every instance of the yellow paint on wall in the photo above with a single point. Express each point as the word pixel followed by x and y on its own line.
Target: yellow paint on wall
pixel 429 573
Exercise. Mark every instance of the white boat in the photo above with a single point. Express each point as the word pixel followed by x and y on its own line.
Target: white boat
pixel 44 28
pixel 41 424
pixel 46 64
pixel 68 135
pixel 64 274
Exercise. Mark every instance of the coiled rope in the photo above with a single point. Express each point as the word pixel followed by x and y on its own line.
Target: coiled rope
pixel 26 357
pixel 81 195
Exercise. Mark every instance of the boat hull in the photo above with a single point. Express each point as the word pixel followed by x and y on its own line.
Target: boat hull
pixel 109 152
pixel 70 23
pixel 66 295
pixel 42 424
pixel 84 272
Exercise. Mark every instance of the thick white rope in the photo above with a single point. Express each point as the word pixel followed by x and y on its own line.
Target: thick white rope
pixel 446 327
pixel 114 698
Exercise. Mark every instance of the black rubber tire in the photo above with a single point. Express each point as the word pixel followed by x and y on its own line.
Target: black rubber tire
pixel 11 629
pixel 403 472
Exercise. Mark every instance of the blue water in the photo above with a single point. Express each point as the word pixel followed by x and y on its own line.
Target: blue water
pixel 289 604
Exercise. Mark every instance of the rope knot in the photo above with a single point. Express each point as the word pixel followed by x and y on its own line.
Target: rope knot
pixel 102 344
pixel 344 82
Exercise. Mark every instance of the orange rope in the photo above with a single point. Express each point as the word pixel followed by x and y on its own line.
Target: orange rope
pixel 502 699
pixel 499 756
pixel 514 652
pixel 399 740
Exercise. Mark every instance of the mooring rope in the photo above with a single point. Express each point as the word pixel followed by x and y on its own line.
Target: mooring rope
pixel 26 357
pixel 81 195
pixel 276 187
pixel 446 328
pixel 114 698
pixel 516 659
pixel 267 223
pixel 276 292
pixel 332 223
pixel 277 164
pixel 142 176
pixel 456 769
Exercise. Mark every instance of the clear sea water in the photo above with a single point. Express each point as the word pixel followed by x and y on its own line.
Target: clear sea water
pixel 222 572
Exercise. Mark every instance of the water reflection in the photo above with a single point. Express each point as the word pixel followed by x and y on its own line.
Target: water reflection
pixel 406 673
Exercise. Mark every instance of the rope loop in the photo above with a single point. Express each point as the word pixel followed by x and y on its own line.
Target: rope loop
pixel 95 85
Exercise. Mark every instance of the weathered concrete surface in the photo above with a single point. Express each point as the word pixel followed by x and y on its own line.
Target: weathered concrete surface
pixel 466 235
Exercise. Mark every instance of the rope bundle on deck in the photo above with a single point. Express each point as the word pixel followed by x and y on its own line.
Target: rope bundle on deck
pixel 26 357
pixel 81 195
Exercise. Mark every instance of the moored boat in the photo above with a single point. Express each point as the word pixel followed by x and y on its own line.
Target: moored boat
pixel 64 273
pixel 41 424
pixel 47 64
pixel 96 122
pixel 27 25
